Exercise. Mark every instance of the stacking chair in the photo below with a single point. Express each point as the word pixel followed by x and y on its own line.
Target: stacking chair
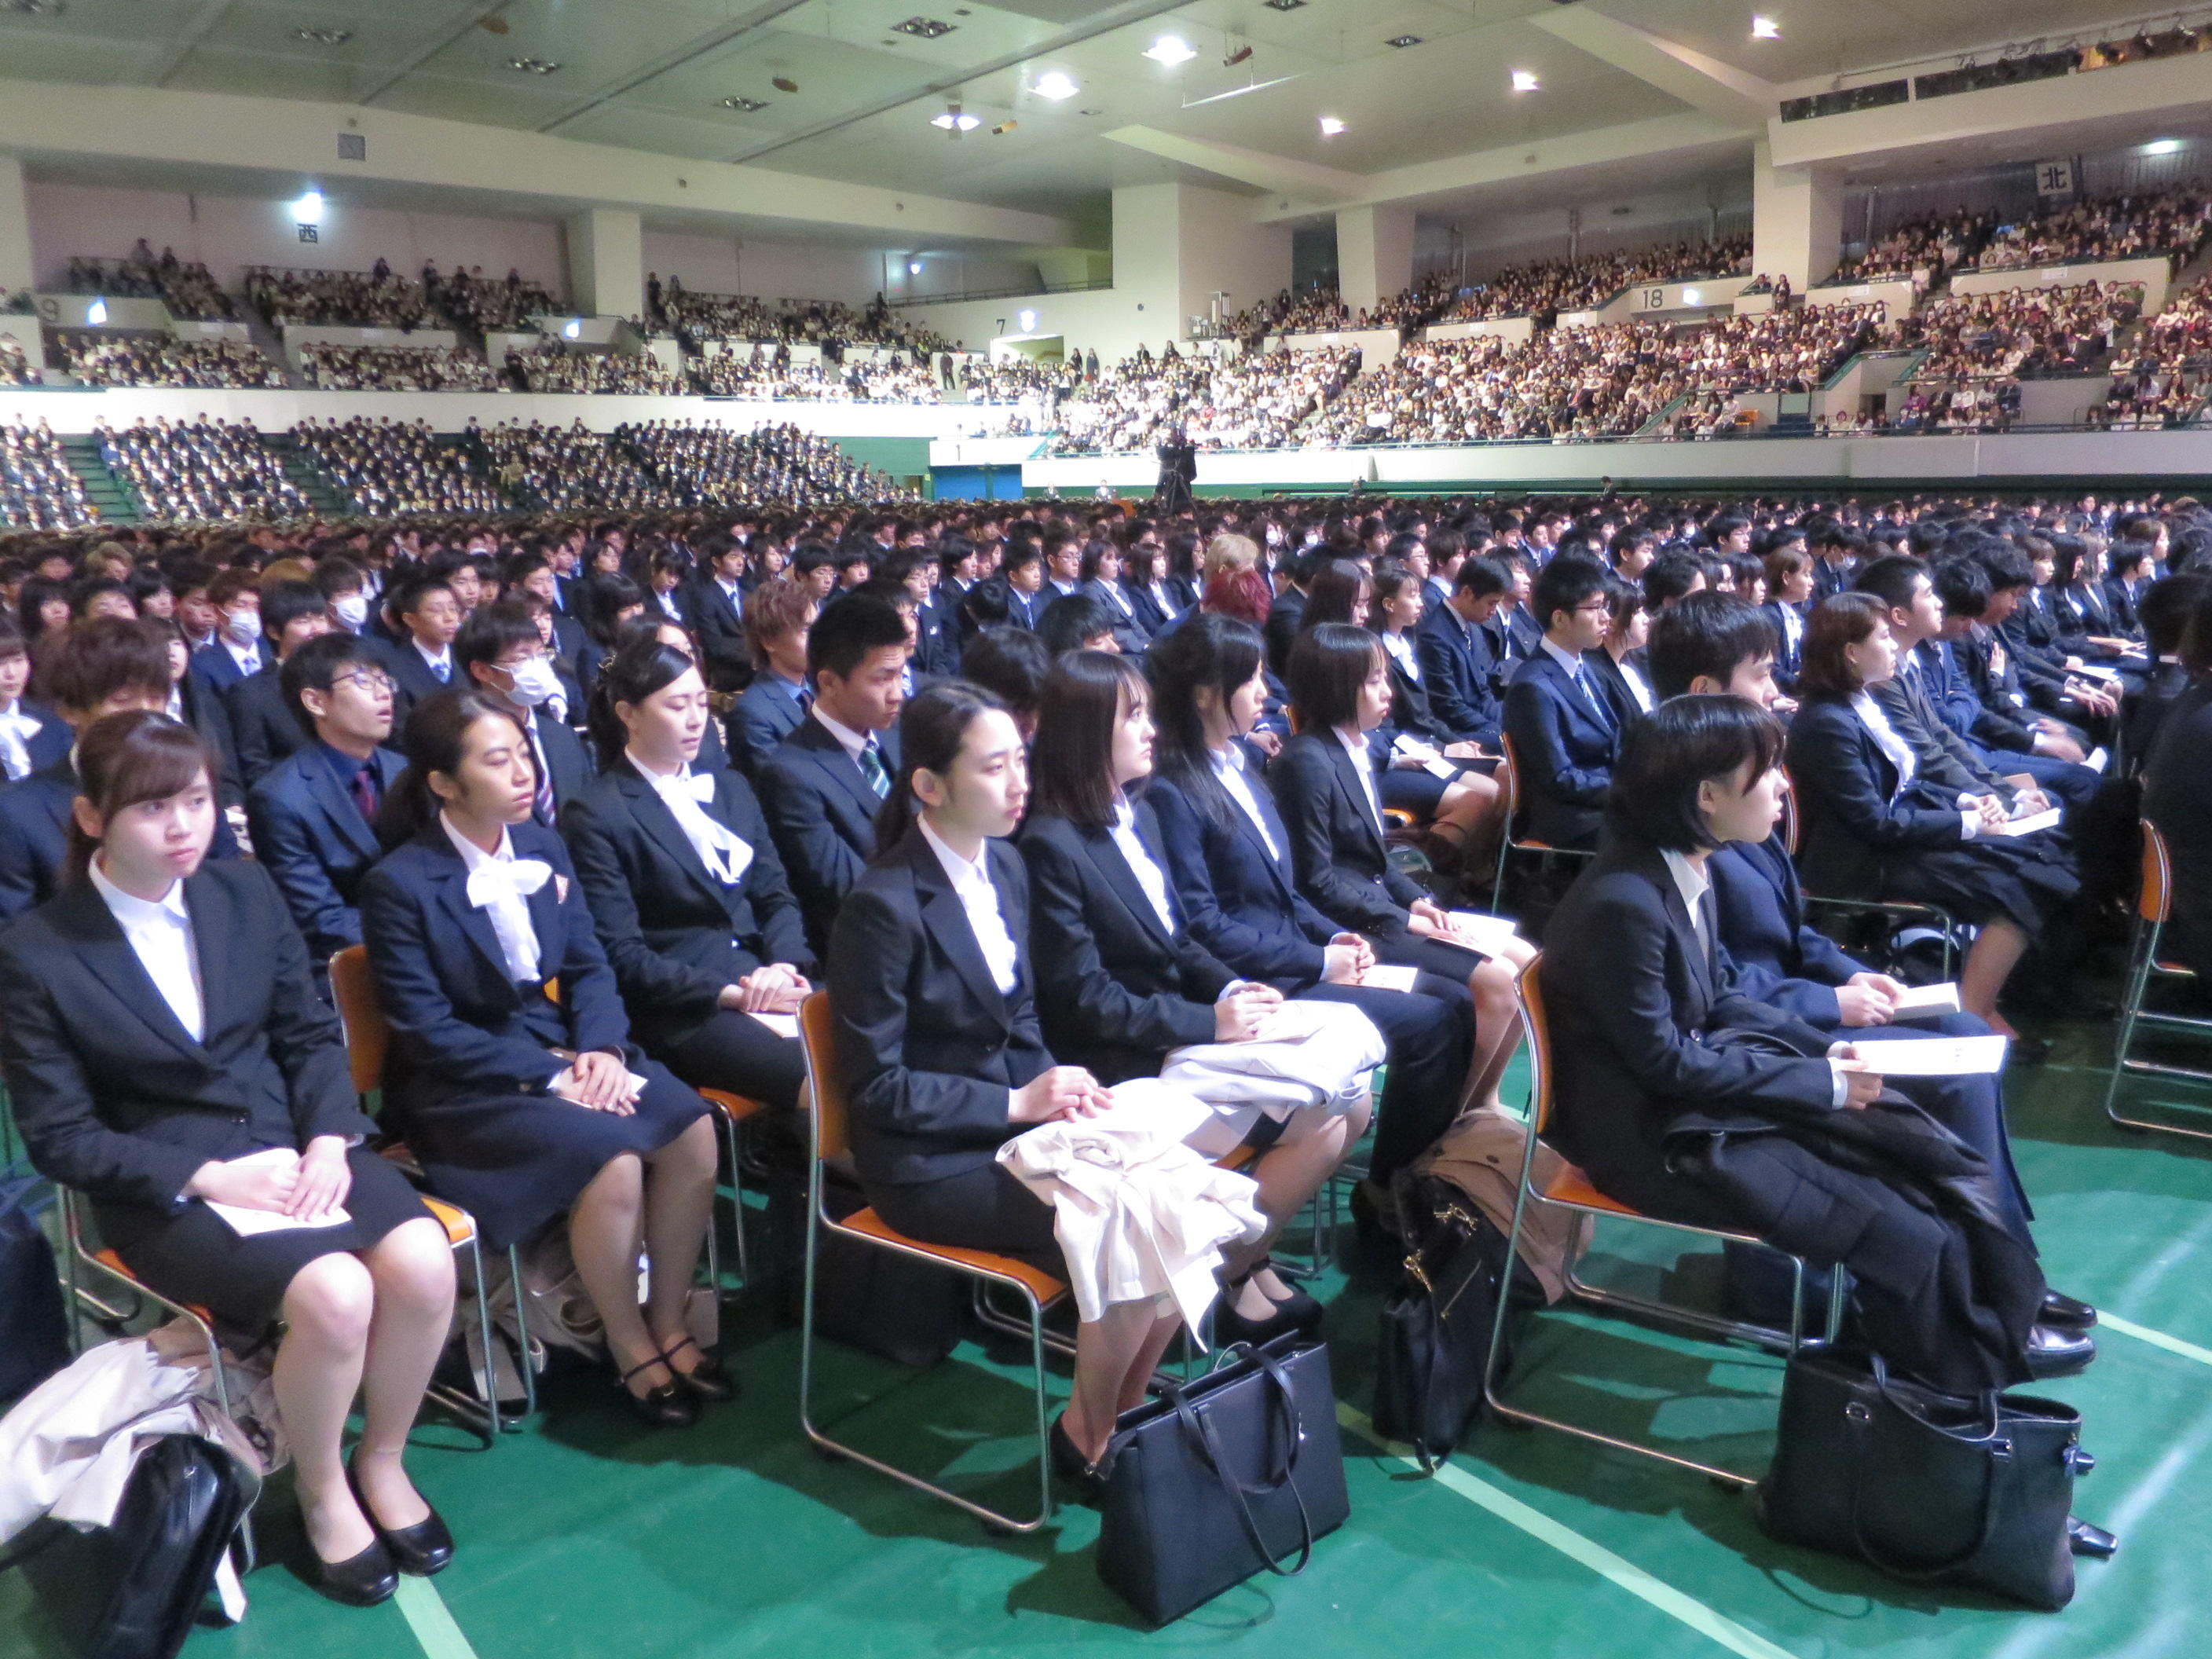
pixel 2145 964
pixel 1902 913
pixel 1569 1190
pixel 367 1037
pixel 1037 1291
pixel 1509 800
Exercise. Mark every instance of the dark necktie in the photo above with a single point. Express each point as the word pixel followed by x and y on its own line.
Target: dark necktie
pixel 541 805
pixel 364 793
pixel 872 769
pixel 1590 696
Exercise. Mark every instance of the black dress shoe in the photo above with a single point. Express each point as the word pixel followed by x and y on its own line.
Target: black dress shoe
pixel 670 1406
pixel 1231 1327
pixel 1067 1462
pixel 2065 1312
pixel 421 1549
pixel 1302 1309
pixel 359 1581
pixel 2054 1351
pixel 709 1379
pixel 2085 1539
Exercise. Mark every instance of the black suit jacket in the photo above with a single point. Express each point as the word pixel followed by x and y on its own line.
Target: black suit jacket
pixel 721 635
pixel 113 1096
pixel 1455 668
pixel 315 842
pixel 1778 958
pixel 766 712
pixel 34 821
pixel 1565 747
pixel 1337 849
pixel 2177 798
pixel 52 740
pixel 200 706
pixel 674 935
pixel 1117 988
pixel 823 815
pixel 1285 614
pixel 261 725
pixel 1240 900
pixel 930 1047
pixel 411 678
pixel 1855 824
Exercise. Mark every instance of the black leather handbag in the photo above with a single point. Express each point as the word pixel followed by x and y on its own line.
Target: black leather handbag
pixel 1437 1324
pixel 1211 1483
pixel 1929 1487
pixel 134 1590
pixel 34 1325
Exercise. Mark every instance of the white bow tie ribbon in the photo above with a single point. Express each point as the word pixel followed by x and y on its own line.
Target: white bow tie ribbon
pixel 501 888
pixel 721 850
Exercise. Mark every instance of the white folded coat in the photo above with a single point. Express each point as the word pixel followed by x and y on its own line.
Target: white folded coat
pixel 1308 1053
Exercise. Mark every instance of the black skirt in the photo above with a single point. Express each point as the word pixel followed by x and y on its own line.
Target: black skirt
pixel 1982 882
pixel 515 1161
pixel 983 1208
pixel 192 1256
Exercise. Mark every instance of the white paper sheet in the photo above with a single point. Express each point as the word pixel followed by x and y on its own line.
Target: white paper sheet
pixel 1481 932
pixel 2029 825
pixel 1971 1056
pixel 248 1223
pixel 1926 1002
pixel 1383 976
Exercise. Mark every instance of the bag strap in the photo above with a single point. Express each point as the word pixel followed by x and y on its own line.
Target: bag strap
pixel 1858 1421
pixel 1200 1432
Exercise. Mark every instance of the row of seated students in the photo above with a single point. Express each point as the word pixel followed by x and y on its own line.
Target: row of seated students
pixel 1170 884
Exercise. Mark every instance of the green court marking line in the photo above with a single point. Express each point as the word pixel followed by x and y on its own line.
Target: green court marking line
pixel 427 1616
pixel 2156 1339
pixel 1571 1544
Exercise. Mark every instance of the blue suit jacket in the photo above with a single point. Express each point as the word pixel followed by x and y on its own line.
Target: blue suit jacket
pixel 313 839
pixel 1238 900
pixel 34 820
pixel 822 814
pixel 764 716
pixel 1455 668
pixel 215 665
pixel 1566 744
pixel 1761 912
pixel 52 741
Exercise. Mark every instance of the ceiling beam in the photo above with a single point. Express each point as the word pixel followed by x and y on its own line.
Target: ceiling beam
pixel 196 29
pixel 1705 83
pixel 422 54
pixel 758 18
pixel 1276 174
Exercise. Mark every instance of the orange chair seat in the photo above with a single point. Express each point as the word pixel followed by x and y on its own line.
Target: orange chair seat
pixel 1042 1285
pixel 2175 970
pixel 460 1226
pixel 113 1263
pixel 1571 1186
pixel 1537 846
pixel 736 1108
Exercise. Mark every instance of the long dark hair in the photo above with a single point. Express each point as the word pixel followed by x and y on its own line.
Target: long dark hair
pixel 931 727
pixel 1334 595
pixel 124 759
pixel 641 667
pixel 437 731
pixel 1204 651
pixel 1072 764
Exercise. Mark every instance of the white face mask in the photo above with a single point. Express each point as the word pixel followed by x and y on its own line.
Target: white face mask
pixel 535 682
pixel 242 627
pixel 352 609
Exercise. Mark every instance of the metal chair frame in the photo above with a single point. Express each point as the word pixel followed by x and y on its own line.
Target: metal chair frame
pixel 1904 912
pixel 1508 798
pixel 1534 1029
pixel 2154 905
pixel 826 1140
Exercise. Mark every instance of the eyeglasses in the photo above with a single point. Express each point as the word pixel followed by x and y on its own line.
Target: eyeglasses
pixel 370 680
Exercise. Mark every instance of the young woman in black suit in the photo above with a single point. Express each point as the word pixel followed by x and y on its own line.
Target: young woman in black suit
pixel 1324 786
pixel 931 980
pixel 1120 980
pixel 699 924
pixel 165 1052
pixel 1617 666
pixel 1871 830
pixel 523 1109
pixel 1771 1129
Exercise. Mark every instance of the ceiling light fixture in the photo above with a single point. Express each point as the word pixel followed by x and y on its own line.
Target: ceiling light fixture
pixel 1330 126
pixel 1171 50
pixel 573 329
pixel 308 210
pixel 1027 319
pixel 1523 80
pixel 2162 146
pixel 1401 41
pixel 924 28
pixel 1765 29
pixel 1055 85
pixel 1282 5
pixel 533 65
pixel 323 37
pixel 913 267
pixel 743 105
pixel 1235 57
pixel 95 315
pixel 956 121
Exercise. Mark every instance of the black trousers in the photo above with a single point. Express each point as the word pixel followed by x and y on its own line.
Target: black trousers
pixel 735 1052
pixel 1431 1042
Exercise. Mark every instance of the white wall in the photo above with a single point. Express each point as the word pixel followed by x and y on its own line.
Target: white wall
pixel 800 271
pixel 228 233
pixel 1492 240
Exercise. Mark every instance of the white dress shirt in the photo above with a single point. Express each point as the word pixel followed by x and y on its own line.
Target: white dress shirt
pixel 1229 767
pixel 159 934
pixel 500 885
pixel 853 742
pixel 1123 828
pixel 1638 688
pixel 979 899
pixel 1401 652
pixel 1576 671
pixel 17 728
pixel 247 657
pixel 726 854
pixel 1363 763
pixel 441 665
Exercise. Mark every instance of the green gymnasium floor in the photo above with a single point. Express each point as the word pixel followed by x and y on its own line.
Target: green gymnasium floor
pixel 588 1537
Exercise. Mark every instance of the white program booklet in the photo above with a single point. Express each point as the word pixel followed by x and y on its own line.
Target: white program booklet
pixel 784 1025
pixel 2028 825
pixel 1970 1056
pixel 248 1223
pixel 1481 932
pixel 1385 977
pixel 1926 1002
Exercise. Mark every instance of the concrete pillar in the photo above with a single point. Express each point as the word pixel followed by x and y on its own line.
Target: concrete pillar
pixel 1374 255
pixel 15 268
pixel 607 263
pixel 1796 220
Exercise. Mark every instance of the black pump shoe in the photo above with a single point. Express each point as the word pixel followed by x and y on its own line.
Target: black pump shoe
pixel 2054 1351
pixel 670 1406
pixel 2085 1539
pixel 2065 1312
pixel 1067 1462
pixel 421 1549
pixel 709 1379
pixel 359 1581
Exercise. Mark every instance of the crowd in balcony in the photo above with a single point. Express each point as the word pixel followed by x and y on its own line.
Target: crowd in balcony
pixel 1541 287
pixel 475 300
pixel 187 287
pixel 99 357
pixel 705 465
pixel 553 367
pixel 571 468
pixel 38 488
pixel 379 298
pixel 200 471
pixel 331 366
pixel 382 468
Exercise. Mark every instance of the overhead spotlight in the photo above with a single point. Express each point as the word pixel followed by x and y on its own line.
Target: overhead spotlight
pixel 744 105
pixel 956 120
pixel 1236 57
pixel 1004 128
pixel 925 29
pixel 2162 147
pixel 1282 5
pixel 1055 85
pixel 1765 29
pixel 913 267
pixel 533 65
pixel 323 37
pixel 1690 297
pixel 95 315
pixel 1171 50
pixel 1330 126
pixel 783 83
pixel 308 210
pixel 1523 80
pixel 1401 41
pixel 573 329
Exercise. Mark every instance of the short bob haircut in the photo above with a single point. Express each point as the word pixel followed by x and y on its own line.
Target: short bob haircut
pixel 1327 666
pixel 1667 754
pixel 1839 622
pixel 124 759
pixel 1071 761
pixel 102 657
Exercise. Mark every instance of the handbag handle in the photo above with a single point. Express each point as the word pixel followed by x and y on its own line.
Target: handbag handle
pixel 1856 1420
pixel 1209 1451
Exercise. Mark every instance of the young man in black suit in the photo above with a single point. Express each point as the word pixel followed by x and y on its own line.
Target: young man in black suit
pixel 822 785
pixel 262 723
pixel 1023 578
pixel 1455 652
pixel 499 651
pixel 313 814
pixel 421 662
pixel 236 651
pixel 776 623
pixel 716 606
pixel 1564 732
